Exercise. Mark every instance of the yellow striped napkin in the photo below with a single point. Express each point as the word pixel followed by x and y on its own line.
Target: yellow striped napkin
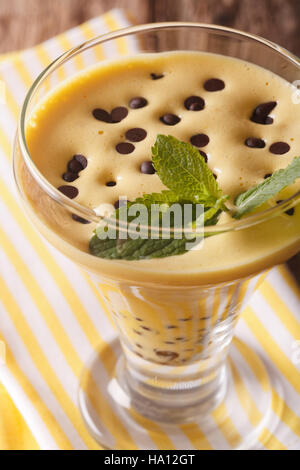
pixel 52 316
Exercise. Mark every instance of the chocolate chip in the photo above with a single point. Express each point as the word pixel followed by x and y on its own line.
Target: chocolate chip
pixel 156 76
pixel 185 319
pixel 267 175
pixel 203 155
pixel 69 191
pixel 136 134
pixel 118 114
pixel 167 354
pixel 264 109
pixel 195 107
pixel 139 345
pixel 74 166
pixel 268 120
pixel 111 183
pixel 171 327
pixel 146 328
pixel 279 148
pixel 169 342
pixel 194 103
pixel 214 84
pixel 147 168
pixel 80 219
pixel 69 176
pixel 81 159
pixel 101 115
pixel 138 102
pixel 289 211
pixel 120 203
pixel 137 332
pixel 261 113
pixel 125 148
pixel 170 119
pixel 254 142
pixel 199 140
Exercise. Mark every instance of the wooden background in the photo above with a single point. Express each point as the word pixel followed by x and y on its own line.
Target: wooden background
pixel 27 22
pixel 24 23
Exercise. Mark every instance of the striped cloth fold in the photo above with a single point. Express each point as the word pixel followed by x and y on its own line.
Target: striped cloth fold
pixel 52 317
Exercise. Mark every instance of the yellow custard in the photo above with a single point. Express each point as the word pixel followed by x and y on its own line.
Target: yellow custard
pixel 64 126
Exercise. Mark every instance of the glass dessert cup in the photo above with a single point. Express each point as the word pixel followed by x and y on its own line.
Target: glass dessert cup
pixel 175 375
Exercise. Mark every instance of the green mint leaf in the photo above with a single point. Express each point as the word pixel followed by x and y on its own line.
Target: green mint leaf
pixel 183 170
pixel 136 249
pixel 258 195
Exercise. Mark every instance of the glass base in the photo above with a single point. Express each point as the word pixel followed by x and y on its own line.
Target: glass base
pixel 233 418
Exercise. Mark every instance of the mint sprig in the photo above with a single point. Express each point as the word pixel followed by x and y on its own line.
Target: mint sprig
pixel 135 249
pixel 183 170
pixel 258 195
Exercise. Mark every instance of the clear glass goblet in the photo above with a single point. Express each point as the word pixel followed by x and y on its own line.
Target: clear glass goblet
pixel 178 370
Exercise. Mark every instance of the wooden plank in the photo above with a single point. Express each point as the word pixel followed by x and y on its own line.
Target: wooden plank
pixel 277 20
pixel 24 23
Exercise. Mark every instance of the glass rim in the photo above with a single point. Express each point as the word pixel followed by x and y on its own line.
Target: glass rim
pixel 90 214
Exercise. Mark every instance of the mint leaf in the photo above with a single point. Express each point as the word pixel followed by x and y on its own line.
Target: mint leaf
pixel 183 170
pixel 136 249
pixel 258 195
